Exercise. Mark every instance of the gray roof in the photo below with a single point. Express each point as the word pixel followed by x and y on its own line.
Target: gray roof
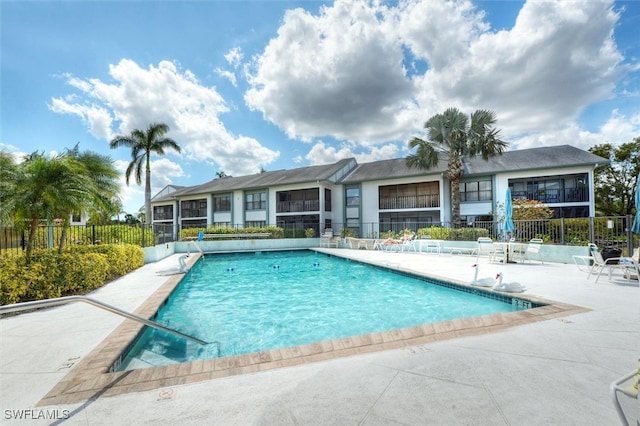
pixel 525 159
pixel 389 169
pixel 326 172
pixel 532 159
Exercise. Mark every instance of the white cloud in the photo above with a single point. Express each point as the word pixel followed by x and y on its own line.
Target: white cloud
pixel 339 73
pixel 97 119
pixel 162 172
pixel 228 75
pixel 170 95
pixel 323 154
pixel 618 129
pixel 234 57
pixel 370 74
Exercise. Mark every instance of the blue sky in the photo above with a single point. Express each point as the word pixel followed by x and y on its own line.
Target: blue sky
pixel 246 85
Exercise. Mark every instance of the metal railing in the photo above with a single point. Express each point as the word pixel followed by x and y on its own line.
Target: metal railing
pixel 605 231
pixel 17 307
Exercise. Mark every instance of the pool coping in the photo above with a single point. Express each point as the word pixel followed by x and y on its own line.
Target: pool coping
pixel 90 378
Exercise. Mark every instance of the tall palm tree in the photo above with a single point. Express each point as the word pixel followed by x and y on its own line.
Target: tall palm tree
pixel 456 136
pixel 143 143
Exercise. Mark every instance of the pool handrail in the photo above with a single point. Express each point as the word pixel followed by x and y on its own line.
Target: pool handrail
pixel 17 307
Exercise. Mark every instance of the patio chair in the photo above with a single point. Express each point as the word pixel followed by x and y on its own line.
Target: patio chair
pixel 613 263
pixel 327 239
pixel 486 248
pixel 409 244
pixel 631 390
pixel 533 250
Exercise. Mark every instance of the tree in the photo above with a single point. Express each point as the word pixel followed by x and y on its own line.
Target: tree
pixel 456 136
pixel 143 143
pixel 220 174
pixel 50 188
pixel 103 201
pixel 615 183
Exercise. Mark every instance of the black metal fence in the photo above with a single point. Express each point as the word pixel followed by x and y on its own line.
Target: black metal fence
pixel 612 231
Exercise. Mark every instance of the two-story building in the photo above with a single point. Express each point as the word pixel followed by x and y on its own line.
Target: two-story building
pixel 382 195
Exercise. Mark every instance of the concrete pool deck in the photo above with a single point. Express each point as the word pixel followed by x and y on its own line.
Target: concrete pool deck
pixel 551 371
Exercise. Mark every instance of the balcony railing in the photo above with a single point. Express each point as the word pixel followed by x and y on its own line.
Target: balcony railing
pixel 163 216
pixel 410 202
pixel 298 206
pixel 551 196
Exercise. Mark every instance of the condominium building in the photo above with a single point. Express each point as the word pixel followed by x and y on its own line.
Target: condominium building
pixel 382 195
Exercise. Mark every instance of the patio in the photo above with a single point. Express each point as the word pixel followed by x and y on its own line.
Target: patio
pixel 556 371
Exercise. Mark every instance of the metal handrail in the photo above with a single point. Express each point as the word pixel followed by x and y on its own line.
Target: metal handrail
pixel 17 307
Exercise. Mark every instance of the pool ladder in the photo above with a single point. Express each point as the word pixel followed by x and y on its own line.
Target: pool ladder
pixel 17 307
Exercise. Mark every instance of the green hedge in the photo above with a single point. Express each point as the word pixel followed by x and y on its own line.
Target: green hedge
pixel 78 270
pixel 275 231
pixel 452 234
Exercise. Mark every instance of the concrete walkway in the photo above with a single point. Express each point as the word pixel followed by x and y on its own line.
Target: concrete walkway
pixel 554 372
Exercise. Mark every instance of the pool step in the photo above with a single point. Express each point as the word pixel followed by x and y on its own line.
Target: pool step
pixel 148 359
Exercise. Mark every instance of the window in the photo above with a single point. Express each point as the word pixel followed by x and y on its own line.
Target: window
pixel 222 203
pixel 256 201
pixel 552 189
pixel 353 197
pixel 409 196
pixel 476 191
pixel 163 212
pixel 327 200
pixel 301 200
pixel 255 224
pixel 198 223
pixel 194 208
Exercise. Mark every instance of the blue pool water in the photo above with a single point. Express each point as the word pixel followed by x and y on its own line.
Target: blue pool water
pixel 251 302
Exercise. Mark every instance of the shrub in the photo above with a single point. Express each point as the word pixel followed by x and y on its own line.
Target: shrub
pixel 83 273
pixel 121 258
pixel 78 270
pixel 275 231
pixel 452 234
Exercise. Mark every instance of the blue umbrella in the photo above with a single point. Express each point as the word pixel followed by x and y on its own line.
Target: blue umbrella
pixel 508 213
pixel 635 228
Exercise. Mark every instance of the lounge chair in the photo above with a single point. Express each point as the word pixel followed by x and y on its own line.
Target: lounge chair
pixel 409 244
pixel 327 239
pixel 631 390
pixel 625 264
pixel 390 244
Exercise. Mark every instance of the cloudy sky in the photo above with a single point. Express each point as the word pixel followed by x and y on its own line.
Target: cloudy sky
pixel 250 85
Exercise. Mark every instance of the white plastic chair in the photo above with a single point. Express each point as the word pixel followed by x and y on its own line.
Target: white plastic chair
pixel 327 239
pixel 627 265
pixel 486 248
pixel 630 390
pixel 533 250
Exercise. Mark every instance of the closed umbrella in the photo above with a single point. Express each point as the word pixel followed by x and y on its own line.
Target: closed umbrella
pixel 635 228
pixel 508 213
pixel 509 227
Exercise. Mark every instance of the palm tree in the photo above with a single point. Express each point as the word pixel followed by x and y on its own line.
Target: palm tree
pixel 143 144
pixel 455 136
pixel 100 190
pixel 48 188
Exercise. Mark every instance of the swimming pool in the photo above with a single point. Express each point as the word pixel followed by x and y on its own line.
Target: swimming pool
pixel 252 302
